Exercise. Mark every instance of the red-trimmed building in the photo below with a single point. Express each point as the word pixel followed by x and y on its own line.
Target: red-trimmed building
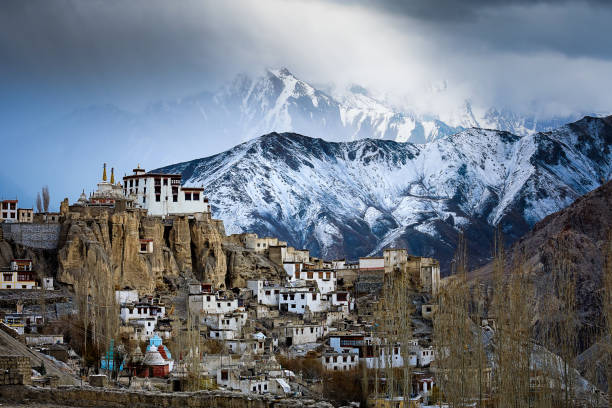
pixel 18 276
pixel 162 194
pixel 8 210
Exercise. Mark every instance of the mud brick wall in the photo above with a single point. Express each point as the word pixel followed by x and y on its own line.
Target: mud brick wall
pixel 42 236
pixel 15 370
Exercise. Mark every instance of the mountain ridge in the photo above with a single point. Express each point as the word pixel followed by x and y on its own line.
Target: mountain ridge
pixel 354 198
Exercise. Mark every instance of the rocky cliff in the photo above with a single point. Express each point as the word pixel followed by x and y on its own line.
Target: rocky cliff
pixel 106 247
pixel 109 246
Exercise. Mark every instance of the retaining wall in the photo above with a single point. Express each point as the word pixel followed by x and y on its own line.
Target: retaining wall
pixel 15 370
pixel 109 398
pixel 42 236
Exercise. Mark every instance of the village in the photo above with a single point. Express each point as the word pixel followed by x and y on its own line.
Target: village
pixel 283 337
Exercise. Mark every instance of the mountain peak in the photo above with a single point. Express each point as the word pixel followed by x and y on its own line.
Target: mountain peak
pixel 282 72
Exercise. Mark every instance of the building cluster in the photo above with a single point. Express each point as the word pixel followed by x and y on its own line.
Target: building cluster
pixel 21 274
pixel 313 311
pixel 322 310
pixel 10 212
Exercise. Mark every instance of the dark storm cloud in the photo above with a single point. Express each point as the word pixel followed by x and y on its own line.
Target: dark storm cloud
pixel 105 41
pixel 445 10
pixel 576 28
pixel 131 53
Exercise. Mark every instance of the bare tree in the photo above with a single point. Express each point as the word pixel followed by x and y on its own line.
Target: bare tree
pixel 460 361
pixel 38 203
pixel 45 197
pixel 607 309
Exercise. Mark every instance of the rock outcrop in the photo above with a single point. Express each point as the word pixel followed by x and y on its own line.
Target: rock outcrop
pixel 243 264
pixel 207 253
pixel 109 247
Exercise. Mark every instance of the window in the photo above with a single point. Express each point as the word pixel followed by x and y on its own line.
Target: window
pixel 157 198
pixel 23 286
pixel 196 196
pixel 175 198
pixel 136 183
pixel 143 247
pixel 267 293
pixel 293 306
pixel 8 277
pixel 208 298
pixel 312 330
pixel 224 375
pixel 228 304
pixel 187 196
pixel 144 199
pixel 165 182
pixel 144 190
pixel 276 291
pixel 131 183
pixel 302 296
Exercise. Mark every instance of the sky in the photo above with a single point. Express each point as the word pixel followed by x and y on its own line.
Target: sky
pixel 60 56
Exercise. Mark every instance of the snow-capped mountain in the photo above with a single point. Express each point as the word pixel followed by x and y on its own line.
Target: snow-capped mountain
pixel 355 198
pixel 281 102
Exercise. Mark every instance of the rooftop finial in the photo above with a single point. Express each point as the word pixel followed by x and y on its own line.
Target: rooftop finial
pixel 104 173
pixel 112 175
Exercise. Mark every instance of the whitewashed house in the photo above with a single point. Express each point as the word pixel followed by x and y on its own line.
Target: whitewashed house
pixel 333 361
pixel 301 298
pixel 293 335
pixel 162 194
pixel 212 303
pixel 267 293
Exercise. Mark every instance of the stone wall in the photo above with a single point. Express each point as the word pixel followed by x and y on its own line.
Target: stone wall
pixel 109 398
pixel 15 370
pixel 42 236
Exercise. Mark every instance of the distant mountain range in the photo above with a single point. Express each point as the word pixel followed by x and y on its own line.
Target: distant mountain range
pixel 355 198
pixel 245 108
pixel 278 101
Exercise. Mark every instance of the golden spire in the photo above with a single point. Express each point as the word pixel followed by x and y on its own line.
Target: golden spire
pixel 112 175
pixel 104 173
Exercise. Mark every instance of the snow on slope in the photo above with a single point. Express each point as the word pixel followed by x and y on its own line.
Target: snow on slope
pixel 354 198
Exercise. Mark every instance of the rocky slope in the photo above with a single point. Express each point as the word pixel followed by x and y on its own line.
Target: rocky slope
pixel 580 235
pixel 355 198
